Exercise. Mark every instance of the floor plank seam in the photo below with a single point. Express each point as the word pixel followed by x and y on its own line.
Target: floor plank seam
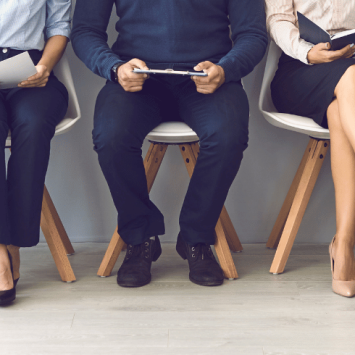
pixel 72 322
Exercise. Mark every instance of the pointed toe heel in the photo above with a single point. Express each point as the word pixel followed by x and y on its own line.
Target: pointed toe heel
pixel 342 288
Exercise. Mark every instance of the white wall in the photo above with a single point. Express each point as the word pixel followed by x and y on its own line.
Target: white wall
pixel 82 198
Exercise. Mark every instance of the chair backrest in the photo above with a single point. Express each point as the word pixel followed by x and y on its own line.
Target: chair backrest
pixel 265 100
pixel 290 122
pixel 63 73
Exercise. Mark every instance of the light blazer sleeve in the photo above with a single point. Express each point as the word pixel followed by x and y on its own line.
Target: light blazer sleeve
pixel 282 26
pixel 58 18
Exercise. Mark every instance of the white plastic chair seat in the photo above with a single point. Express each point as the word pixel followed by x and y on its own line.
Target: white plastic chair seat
pixel 172 133
pixel 295 123
pixel 62 72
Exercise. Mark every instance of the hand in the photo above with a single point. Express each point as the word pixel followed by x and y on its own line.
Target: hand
pixel 38 80
pixel 209 84
pixel 321 53
pixel 130 81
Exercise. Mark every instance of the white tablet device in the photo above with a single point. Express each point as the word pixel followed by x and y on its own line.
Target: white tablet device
pixel 168 71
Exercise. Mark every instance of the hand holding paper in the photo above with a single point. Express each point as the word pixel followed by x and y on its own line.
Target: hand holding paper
pixel 38 80
pixel 15 70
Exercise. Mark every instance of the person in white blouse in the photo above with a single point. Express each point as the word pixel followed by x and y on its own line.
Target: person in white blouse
pixel 317 82
pixel 31 112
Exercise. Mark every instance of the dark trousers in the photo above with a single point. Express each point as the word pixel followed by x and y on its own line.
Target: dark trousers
pixel 31 115
pixel 122 121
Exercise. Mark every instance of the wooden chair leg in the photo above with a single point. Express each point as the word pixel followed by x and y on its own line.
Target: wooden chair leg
pixel 189 154
pixel 279 225
pixel 307 181
pixel 56 237
pixel 231 235
pixel 152 164
pixel 112 253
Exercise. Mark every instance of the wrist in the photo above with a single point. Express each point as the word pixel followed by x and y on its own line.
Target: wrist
pixel 222 74
pixel 114 72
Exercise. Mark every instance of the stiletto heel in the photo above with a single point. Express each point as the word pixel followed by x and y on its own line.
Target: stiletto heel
pixel 8 296
pixel 342 288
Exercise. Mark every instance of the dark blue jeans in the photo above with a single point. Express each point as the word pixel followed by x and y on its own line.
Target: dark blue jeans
pixel 31 115
pixel 122 121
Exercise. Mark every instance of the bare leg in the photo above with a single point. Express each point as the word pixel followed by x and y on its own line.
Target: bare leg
pixel 15 254
pixel 6 282
pixel 343 171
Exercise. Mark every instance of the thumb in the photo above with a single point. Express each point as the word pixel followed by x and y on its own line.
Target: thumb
pixel 203 65
pixel 137 63
pixel 325 46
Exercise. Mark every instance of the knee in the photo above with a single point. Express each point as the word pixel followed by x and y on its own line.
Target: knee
pixel 333 118
pixel 226 142
pixel 347 82
pixel 112 144
pixel 33 129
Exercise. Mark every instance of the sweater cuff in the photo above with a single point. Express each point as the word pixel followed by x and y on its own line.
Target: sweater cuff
pixel 108 64
pixel 229 70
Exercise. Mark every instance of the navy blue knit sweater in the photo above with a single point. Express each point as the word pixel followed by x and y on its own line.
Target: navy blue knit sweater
pixel 172 31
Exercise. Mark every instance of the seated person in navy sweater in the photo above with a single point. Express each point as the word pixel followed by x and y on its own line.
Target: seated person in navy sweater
pixel 180 35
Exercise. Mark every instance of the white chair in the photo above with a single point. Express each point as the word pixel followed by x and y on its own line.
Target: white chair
pixel 178 133
pixel 52 227
pixel 293 209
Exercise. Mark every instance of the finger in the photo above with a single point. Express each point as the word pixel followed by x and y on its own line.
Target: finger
pixel 34 85
pixel 129 85
pixel 32 82
pixel 203 65
pixel 135 76
pixel 202 80
pixel 134 89
pixel 323 46
pixel 36 76
pixel 341 52
pixel 137 63
pixel 204 91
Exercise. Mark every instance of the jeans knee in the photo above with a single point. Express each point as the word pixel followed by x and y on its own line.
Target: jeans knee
pixel 228 144
pixel 113 145
pixel 35 131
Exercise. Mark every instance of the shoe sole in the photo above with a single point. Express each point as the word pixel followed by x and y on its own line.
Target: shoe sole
pixel 8 301
pixel 207 283
pixel 132 285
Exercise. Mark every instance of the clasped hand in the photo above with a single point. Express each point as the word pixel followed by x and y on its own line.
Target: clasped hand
pixel 133 82
pixel 38 80
pixel 321 53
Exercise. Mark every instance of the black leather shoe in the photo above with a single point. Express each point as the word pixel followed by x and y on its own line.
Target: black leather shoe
pixel 8 296
pixel 204 269
pixel 135 269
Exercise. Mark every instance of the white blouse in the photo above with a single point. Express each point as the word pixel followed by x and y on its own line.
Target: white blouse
pixel 281 19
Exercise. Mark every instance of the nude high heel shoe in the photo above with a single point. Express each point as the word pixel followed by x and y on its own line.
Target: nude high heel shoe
pixel 342 288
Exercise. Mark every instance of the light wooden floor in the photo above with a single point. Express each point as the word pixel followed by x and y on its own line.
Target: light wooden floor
pixel 259 314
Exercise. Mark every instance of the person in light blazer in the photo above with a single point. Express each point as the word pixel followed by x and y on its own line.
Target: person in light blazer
pixel 316 82
pixel 30 112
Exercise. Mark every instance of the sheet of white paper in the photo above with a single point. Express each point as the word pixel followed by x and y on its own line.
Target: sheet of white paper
pixel 16 69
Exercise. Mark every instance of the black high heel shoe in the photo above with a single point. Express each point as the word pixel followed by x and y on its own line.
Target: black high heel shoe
pixel 8 296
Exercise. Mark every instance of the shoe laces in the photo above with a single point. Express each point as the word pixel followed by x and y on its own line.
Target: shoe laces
pixel 202 250
pixel 137 250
